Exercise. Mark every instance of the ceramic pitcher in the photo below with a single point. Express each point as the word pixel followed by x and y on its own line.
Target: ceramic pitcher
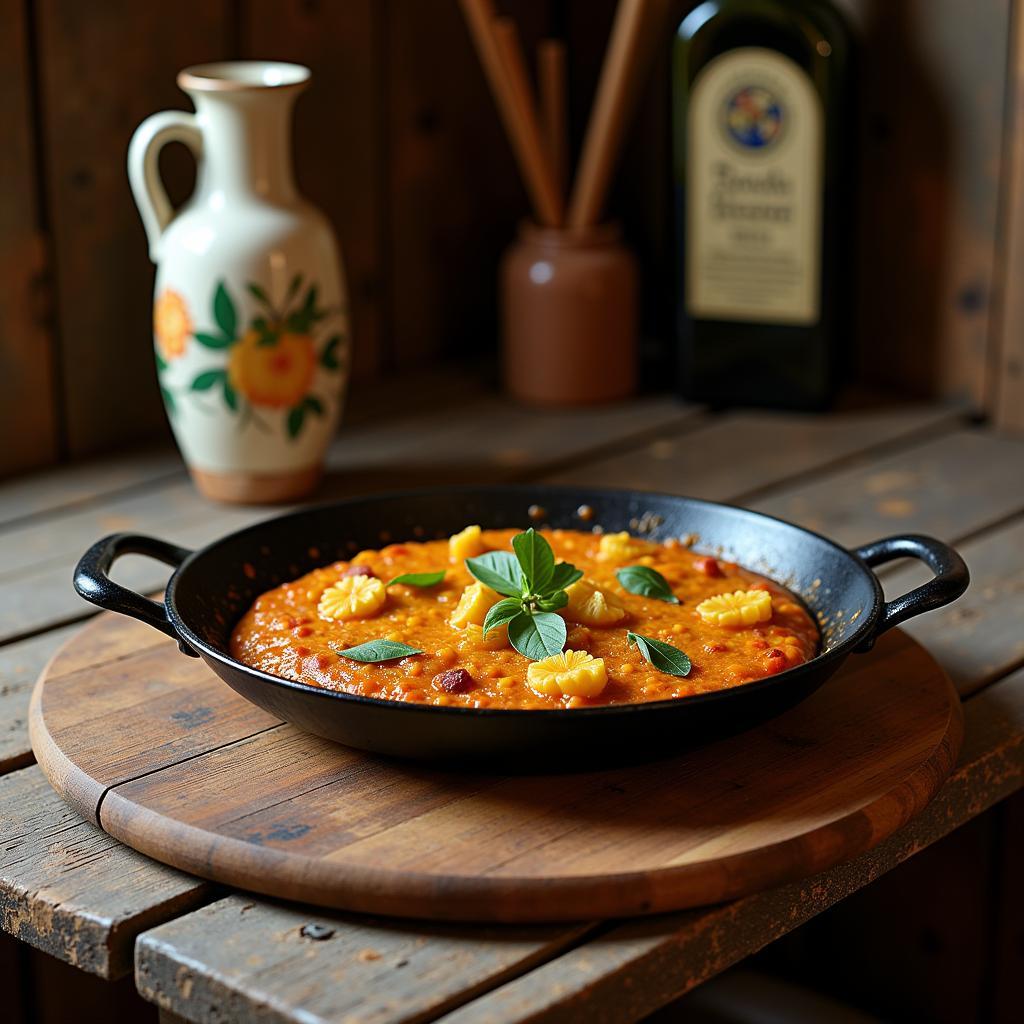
pixel 249 318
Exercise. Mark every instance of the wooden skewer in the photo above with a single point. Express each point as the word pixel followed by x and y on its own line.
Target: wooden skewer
pixel 554 123
pixel 615 92
pixel 514 109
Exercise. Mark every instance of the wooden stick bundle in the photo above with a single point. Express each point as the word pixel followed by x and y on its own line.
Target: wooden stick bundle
pixel 540 143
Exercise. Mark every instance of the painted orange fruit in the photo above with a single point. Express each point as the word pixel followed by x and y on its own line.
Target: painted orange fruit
pixel 277 375
pixel 172 324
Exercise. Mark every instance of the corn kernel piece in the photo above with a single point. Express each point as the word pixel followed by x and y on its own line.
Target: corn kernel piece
pixel 473 606
pixel 592 606
pixel 468 543
pixel 617 547
pixel 569 674
pixel 352 597
pixel 740 608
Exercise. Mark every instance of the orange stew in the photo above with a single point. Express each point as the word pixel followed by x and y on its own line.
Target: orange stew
pixel 297 630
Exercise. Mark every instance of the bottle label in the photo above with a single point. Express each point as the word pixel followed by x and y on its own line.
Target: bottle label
pixel 754 190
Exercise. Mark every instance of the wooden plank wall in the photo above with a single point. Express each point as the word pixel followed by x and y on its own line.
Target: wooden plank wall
pixel 398 142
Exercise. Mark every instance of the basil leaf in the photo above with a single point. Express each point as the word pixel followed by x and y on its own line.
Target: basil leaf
pixel 551 603
pixel 536 559
pixel 664 657
pixel 502 612
pixel 379 650
pixel 418 579
pixel 643 580
pixel 565 575
pixel 498 570
pixel 537 636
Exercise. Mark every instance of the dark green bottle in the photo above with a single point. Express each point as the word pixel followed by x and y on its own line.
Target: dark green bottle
pixel 762 126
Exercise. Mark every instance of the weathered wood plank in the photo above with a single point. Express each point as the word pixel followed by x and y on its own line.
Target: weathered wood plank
pixel 27 392
pixel 20 665
pixel 69 889
pixel 239 959
pixel 636 967
pixel 103 275
pixel 979 638
pixel 487 439
pixel 950 486
pixel 743 452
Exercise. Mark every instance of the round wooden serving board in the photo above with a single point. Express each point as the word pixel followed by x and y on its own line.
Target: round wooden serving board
pixel 151 746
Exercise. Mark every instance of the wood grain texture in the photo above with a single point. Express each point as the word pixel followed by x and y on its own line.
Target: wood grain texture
pixel 638 966
pixel 105 68
pixel 27 388
pixel 1005 384
pixel 258 961
pixel 172 762
pixel 71 890
pixel 950 486
pixel 744 452
pixel 339 123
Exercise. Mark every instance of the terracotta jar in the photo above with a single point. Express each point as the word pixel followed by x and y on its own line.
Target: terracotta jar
pixel 569 316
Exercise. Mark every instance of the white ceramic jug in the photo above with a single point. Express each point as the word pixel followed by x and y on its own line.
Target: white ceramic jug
pixel 250 315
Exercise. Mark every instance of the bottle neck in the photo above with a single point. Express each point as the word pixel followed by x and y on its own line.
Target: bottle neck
pixel 247 150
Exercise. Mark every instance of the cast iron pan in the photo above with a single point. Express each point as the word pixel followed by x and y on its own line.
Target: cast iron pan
pixel 212 587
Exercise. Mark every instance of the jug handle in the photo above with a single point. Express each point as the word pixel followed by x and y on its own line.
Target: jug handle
pixel 144 171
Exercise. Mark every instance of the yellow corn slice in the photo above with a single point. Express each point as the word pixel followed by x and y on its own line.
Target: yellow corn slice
pixel 468 543
pixel 617 547
pixel 352 597
pixel 471 639
pixel 740 608
pixel 473 606
pixel 569 674
pixel 592 606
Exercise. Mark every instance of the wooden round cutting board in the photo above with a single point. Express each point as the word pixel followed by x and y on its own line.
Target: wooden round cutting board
pixel 151 746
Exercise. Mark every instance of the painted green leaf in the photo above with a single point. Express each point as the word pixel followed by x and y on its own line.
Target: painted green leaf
pixel 537 636
pixel 296 417
pixel 207 379
pixel 504 611
pixel 161 363
pixel 168 401
pixel 643 580
pixel 664 657
pixel 536 559
pixel 329 356
pixel 230 396
pixel 313 404
pixel 293 288
pixel 379 650
pixel 268 334
pixel 213 340
pixel 224 311
pixel 418 579
pixel 498 570
pixel 258 292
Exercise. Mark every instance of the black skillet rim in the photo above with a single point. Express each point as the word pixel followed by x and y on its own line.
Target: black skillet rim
pixel 841 650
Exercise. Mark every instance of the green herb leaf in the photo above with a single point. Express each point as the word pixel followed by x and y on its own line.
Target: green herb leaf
pixel 643 580
pixel 565 575
pixel 536 559
pixel 258 292
pixel 552 602
pixel 537 636
pixel 504 611
pixel 296 417
pixel 379 650
pixel 224 311
pixel 498 570
pixel 212 340
pixel 418 579
pixel 664 657
pixel 207 379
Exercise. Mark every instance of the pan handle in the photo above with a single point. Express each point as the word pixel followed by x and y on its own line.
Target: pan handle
pixel 950 581
pixel 93 582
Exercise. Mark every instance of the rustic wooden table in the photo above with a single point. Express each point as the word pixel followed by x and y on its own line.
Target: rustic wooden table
pixel 206 954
